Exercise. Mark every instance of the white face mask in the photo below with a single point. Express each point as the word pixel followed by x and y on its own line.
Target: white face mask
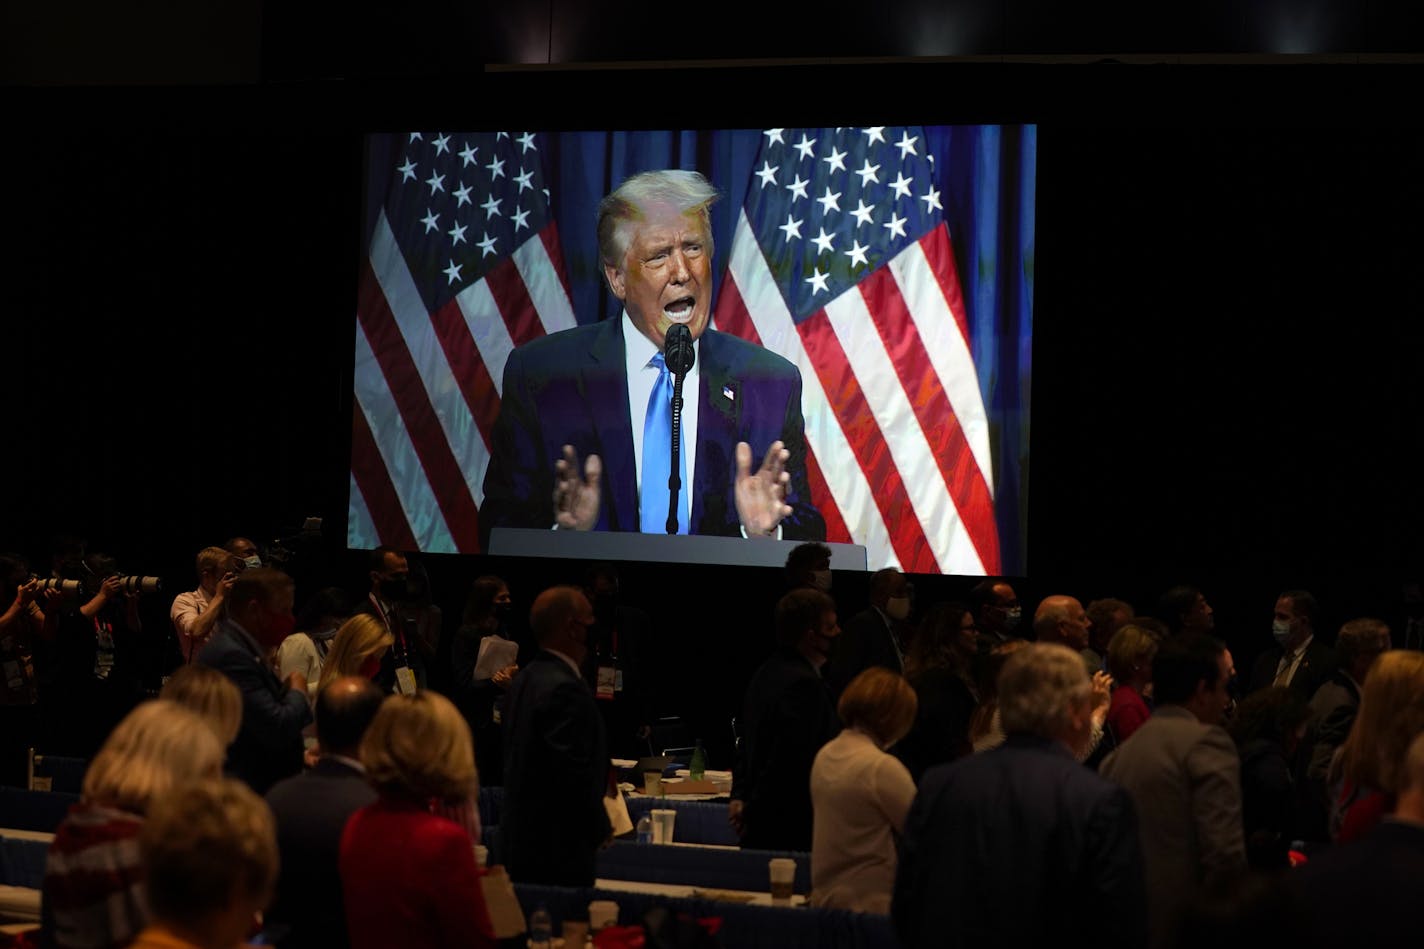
pixel 1281 630
pixel 253 561
pixel 898 607
pixel 821 580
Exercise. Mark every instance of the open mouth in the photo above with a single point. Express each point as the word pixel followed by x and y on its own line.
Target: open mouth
pixel 680 310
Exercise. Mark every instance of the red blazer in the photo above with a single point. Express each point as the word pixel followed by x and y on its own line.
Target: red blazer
pixel 410 880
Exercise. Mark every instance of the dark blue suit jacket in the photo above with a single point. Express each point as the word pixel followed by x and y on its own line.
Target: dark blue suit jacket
pixel 555 776
pixel 571 388
pixel 1020 846
pixel 268 746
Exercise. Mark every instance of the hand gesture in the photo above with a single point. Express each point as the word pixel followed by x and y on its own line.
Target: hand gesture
pixel 109 588
pixel 1102 696
pixel 761 497
pixel 26 592
pixel 576 498
pixel 224 586
pixel 504 676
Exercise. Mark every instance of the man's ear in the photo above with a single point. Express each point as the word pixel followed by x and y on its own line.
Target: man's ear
pixel 616 282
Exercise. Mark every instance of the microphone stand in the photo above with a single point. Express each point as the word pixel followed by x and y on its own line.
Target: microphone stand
pixel 675 471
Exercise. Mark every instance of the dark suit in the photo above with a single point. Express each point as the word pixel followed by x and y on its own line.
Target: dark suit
pixel 1020 846
pixel 571 388
pixel 788 716
pixel 1364 893
pixel 555 776
pixel 866 641
pixel 269 743
pixel 311 811
pixel 1313 670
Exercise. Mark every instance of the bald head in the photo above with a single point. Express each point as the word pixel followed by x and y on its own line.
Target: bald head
pixel 1061 619
pixel 344 710
pixel 560 618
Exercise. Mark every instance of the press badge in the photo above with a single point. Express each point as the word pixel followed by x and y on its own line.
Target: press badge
pixel 405 681
pixel 609 681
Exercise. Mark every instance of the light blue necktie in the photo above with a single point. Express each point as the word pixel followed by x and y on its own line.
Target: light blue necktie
pixel 657 460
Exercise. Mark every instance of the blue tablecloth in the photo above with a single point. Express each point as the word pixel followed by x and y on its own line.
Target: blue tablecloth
pixel 695 866
pixel 697 822
pixel 743 926
pixel 22 862
pixel 34 810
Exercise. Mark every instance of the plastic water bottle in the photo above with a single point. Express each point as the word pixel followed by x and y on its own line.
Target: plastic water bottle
pixel 645 829
pixel 698 768
pixel 541 929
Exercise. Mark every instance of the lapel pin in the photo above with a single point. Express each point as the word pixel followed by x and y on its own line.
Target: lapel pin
pixel 729 394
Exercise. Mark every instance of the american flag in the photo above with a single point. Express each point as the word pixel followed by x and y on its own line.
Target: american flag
pixel 463 266
pixel 841 261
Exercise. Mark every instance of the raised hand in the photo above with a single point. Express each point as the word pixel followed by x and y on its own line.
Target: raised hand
pixel 761 497
pixel 576 497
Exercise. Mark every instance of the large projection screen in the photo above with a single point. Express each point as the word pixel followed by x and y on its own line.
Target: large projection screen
pixel 892 267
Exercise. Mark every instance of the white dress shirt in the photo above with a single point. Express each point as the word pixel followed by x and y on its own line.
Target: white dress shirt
pixel 638 352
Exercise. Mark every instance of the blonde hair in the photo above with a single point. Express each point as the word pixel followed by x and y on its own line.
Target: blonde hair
pixel 205 844
pixel 211 694
pixel 213 558
pixel 1391 715
pixel 419 747
pixel 880 703
pixel 358 639
pixel 157 745
pixel 1130 646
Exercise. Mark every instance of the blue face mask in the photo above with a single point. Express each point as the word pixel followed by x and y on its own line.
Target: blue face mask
pixel 1281 630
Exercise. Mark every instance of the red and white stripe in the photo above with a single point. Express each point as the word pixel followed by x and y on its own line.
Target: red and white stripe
pixel 427 390
pixel 897 435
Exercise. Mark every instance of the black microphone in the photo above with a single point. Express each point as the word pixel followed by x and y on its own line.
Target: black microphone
pixel 677 349
pixel 678 357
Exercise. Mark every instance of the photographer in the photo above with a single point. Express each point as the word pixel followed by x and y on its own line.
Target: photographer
pixel 22 625
pixel 196 614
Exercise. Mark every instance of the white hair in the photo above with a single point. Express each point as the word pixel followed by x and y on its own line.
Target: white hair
pixel 685 191
pixel 1038 686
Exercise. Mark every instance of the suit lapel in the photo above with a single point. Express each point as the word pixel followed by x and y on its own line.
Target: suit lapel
pixel 606 392
pixel 718 421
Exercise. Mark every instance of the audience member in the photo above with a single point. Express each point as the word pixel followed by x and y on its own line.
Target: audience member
pixel 1105 618
pixel 1185 610
pixel 245 551
pixel 555 753
pixel 274 711
pixel 390 600
pixel 809 565
pixel 196 614
pixel 1062 619
pixel 93 891
pixel 1268 728
pixel 1391 715
pixel 211 859
pixel 997 611
pixel 1023 846
pixel 788 717
pixel 1360 643
pixel 875 636
pixel 1298 659
pixel 985 730
pixel 1183 773
pixel 22 630
pixel 940 668
pixel 357 649
pixel 1367 893
pixel 619 645
pixel 481 700
pixel 1130 655
pixel 860 796
pixel 211 694
pixel 311 811
pixel 408 875
pixel 305 650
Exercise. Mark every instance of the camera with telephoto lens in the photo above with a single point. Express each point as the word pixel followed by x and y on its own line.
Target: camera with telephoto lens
pixel 139 584
pixel 64 587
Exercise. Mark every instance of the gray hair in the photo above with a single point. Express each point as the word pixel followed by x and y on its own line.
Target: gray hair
pixel 684 190
pixel 1038 686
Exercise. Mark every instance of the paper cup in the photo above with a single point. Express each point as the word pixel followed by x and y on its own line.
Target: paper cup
pixel 653 783
pixel 663 819
pixel 783 877
pixel 602 914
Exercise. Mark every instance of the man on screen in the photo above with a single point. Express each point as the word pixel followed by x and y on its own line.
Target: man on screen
pixel 583 437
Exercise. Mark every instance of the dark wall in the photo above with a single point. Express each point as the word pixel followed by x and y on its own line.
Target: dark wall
pixel 1226 356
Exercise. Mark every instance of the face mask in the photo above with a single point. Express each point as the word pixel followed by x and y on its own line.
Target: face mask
pixel 821 580
pixel 898 607
pixel 1281 630
pixel 253 561
pixel 324 634
pixel 1012 615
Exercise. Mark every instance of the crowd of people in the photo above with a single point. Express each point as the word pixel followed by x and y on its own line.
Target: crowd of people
pixel 978 774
